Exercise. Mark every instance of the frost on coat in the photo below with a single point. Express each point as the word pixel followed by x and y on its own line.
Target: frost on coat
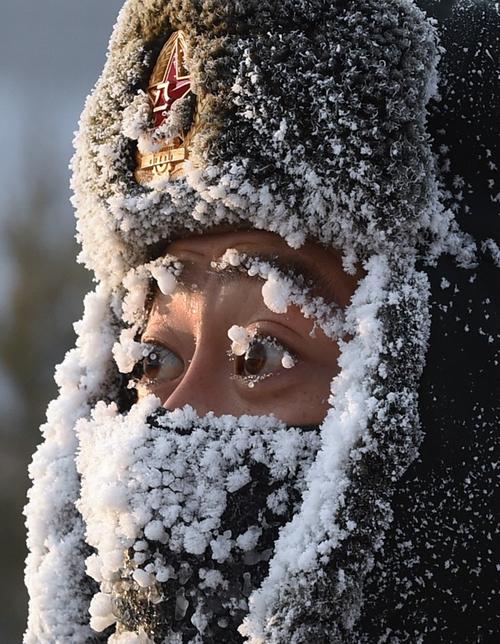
pixel 313 127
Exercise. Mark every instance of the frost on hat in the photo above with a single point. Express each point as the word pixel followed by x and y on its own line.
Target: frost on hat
pixel 306 118
pixel 306 126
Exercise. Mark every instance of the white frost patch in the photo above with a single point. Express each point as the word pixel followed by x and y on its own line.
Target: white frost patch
pixel 55 608
pixel 165 271
pixel 144 483
pixel 166 280
pixel 279 291
pixel 491 247
pixel 127 352
pixel 240 339
pixel 287 361
pixel 135 284
pixel 101 612
pixel 276 293
pixel 128 637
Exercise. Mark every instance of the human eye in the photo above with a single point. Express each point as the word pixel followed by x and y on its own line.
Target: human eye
pixel 160 364
pixel 263 357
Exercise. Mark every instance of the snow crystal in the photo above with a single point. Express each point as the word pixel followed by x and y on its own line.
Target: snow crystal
pixel 154 531
pixel 230 257
pixel 165 279
pixel 127 352
pixel 240 339
pixel 143 578
pixel 491 247
pixel 248 540
pixel 444 283
pixel 128 637
pixel 287 361
pixel 101 612
pixel 275 293
pixel 221 547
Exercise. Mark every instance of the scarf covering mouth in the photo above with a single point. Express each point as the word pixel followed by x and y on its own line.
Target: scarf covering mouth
pixel 183 513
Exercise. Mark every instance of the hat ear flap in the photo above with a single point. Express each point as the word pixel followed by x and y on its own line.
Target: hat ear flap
pixel 369 438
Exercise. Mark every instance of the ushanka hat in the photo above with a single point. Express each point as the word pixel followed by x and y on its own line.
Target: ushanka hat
pixel 305 118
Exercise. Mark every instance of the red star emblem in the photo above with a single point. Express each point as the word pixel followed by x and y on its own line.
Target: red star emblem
pixel 175 81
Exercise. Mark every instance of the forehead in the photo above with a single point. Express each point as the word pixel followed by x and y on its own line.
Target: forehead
pixel 319 265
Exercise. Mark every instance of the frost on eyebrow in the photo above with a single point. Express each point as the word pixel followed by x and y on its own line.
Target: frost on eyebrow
pixel 280 290
pixel 165 271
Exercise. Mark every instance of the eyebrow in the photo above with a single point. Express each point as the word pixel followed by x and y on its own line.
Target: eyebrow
pixel 295 269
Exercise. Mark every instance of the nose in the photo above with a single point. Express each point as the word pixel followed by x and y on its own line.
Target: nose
pixel 205 385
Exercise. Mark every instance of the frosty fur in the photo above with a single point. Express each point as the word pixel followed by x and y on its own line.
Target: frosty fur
pixel 350 167
pixel 166 488
pixel 329 144
pixel 60 591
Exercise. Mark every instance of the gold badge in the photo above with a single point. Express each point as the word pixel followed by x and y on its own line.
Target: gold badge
pixel 169 83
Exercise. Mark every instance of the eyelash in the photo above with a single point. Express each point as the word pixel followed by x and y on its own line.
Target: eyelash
pixel 152 347
pixel 267 342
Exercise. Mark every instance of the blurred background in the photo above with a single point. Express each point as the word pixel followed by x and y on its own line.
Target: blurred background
pixel 51 53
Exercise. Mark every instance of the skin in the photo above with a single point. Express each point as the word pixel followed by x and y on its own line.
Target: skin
pixel 188 331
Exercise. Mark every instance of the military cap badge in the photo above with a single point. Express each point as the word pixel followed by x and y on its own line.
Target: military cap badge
pixel 170 83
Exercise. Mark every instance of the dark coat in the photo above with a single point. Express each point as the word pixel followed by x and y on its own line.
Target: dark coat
pixel 434 581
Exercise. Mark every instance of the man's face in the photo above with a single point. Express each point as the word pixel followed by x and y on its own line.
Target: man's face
pixel 247 330
pixel 288 362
